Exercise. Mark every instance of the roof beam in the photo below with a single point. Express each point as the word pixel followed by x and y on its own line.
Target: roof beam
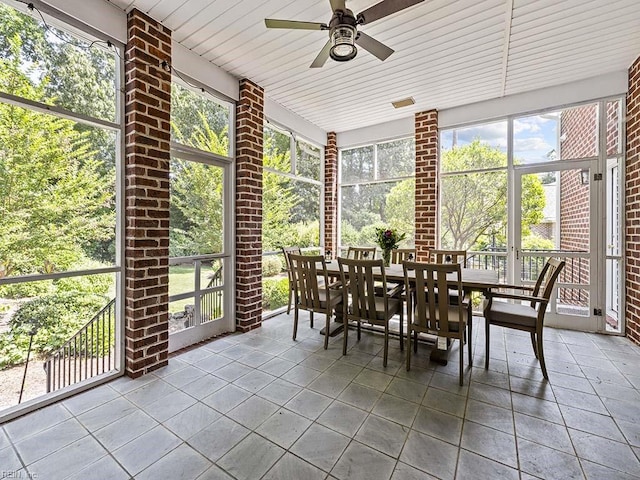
pixel 508 18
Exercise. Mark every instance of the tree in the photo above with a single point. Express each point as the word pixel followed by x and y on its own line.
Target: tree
pixel 73 73
pixel 54 193
pixel 474 205
pixel 278 200
pixel 196 209
pixel 401 208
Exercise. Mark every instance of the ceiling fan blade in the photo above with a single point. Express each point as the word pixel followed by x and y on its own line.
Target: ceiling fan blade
pixel 337 5
pixel 373 46
pixel 384 8
pixel 272 23
pixel 322 57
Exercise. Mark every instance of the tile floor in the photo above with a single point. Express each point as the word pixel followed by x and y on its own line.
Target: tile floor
pixel 262 406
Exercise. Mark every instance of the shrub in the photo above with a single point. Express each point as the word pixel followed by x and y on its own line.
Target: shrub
pixel 57 317
pixel 26 289
pixel 87 284
pixel 271 265
pixel 275 293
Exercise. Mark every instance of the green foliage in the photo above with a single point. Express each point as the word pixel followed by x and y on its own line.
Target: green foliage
pixel 401 206
pixel 88 284
pixel 56 317
pixel 271 265
pixel 26 289
pixel 536 242
pixel 191 112
pixel 279 199
pixel 56 196
pixel 533 202
pixel 196 210
pixel 388 238
pixel 275 293
pixel 474 205
pixel 196 207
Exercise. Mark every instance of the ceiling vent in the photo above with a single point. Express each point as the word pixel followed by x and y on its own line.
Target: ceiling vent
pixel 405 102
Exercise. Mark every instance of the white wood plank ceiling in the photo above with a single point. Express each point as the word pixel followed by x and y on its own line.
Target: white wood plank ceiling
pixel 447 52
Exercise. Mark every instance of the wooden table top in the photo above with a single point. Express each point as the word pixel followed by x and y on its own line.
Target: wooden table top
pixel 472 278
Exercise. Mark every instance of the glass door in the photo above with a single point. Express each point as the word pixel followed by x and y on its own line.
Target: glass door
pixel 557 214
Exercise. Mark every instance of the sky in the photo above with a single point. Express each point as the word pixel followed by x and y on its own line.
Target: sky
pixel 535 137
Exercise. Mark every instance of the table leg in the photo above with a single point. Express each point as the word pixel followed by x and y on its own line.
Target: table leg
pixel 441 355
pixel 337 325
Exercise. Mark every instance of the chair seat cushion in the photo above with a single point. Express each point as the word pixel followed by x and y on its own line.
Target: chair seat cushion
pixel 512 313
pixel 395 305
pixel 454 326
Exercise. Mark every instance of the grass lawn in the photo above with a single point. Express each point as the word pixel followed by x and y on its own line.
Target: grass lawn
pixel 181 280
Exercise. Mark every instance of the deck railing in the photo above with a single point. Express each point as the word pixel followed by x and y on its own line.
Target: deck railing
pixel 90 352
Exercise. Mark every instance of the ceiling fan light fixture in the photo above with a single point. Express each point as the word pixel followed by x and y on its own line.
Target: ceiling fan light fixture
pixel 343 46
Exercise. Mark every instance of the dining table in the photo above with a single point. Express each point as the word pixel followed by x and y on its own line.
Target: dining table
pixel 473 280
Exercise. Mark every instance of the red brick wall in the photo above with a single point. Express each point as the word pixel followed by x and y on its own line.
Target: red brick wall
pixel 147 113
pixel 331 195
pixel 613 123
pixel 632 210
pixel 249 155
pixel 426 136
pixel 579 127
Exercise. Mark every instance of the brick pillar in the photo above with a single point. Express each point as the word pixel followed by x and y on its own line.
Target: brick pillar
pixel 249 153
pixel 331 195
pixel 147 113
pixel 632 216
pixel 426 132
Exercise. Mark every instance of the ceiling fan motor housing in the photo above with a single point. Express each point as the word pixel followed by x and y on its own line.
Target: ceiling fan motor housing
pixel 343 32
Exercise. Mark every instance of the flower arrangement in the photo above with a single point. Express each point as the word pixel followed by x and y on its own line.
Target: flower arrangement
pixel 389 238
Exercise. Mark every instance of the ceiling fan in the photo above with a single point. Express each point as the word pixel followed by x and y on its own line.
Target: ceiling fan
pixel 343 30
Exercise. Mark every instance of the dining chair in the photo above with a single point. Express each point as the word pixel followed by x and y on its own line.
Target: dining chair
pixel 399 255
pixel 460 257
pixel 310 294
pixel 428 312
pixel 527 314
pixel 365 282
pixel 448 256
pixel 286 251
pixel 361 253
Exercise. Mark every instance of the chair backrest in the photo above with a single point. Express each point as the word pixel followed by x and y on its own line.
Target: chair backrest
pixel 400 255
pixel 305 270
pixel 448 256
pixel 286 251
pixel 431 311
pixel 357 278
pixel 361 253
pixel 547 279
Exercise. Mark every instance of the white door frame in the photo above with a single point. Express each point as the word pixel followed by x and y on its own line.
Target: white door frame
pixel 591 322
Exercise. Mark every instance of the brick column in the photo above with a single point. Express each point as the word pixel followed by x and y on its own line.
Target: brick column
pixel 331 241
pixel 147 114
pixel 632 216
pixel 426 133
pixel 249 153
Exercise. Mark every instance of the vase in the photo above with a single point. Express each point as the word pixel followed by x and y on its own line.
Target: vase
pixel 386 256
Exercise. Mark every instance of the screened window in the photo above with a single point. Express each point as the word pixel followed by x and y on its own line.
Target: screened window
pixel 199 120
pixel 377 190
pixel 58 200
pixel 473 193
pixel 290 206
pixel 197 214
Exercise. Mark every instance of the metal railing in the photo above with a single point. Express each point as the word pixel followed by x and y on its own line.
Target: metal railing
pixel 575 275
pixel 90 352
pixel 210 302
pixel 496 261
